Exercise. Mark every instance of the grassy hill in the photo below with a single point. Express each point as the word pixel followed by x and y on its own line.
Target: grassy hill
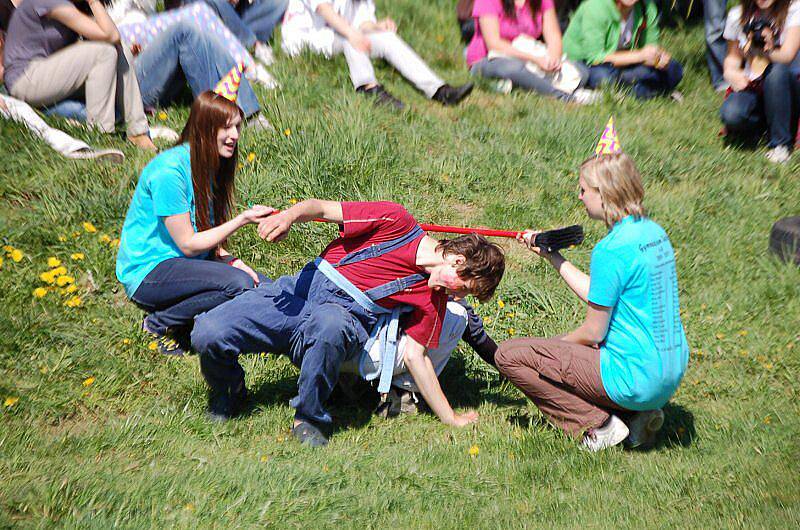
pixel 97 429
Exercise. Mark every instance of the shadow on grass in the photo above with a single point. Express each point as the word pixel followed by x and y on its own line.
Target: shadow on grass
pixel 678 429
pixel 465 391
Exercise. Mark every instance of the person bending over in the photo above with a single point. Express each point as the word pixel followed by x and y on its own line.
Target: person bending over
pixel 628 357
pixel 45 63
pixel 172 259
pixel 763 40
pixel 350 27
pixel 617 42
pixel 381 274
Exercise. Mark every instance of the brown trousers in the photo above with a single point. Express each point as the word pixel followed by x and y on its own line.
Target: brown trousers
pixel 561 378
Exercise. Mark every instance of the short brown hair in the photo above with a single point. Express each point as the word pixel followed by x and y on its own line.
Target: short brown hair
pixel 619 183
pixel 484 265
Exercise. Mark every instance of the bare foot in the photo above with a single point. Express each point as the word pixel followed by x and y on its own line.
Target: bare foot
pixel 143 141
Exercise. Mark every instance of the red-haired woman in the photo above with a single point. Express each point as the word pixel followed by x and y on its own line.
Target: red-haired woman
pixel 171 258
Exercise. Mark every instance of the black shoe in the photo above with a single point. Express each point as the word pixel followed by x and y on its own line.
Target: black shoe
pixel 224 403
pixel 382 97
pixel 168 343
pixel 308 434
pixel 452 95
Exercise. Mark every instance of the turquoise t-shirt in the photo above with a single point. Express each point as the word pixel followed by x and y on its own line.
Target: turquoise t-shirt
pixel 164 189
pixel 644 354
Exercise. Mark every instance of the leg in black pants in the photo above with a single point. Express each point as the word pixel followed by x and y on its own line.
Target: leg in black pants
pixel 179 289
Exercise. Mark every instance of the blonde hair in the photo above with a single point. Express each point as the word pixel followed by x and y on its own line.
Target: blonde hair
pixel 619 183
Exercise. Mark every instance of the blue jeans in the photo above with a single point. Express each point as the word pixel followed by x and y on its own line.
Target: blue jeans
pixel 179 289
pixel 520 76
pixel 250 22
pixel 645 81
pixel 305 317
pixel 747 111
pixel 716 46
pixel 183 50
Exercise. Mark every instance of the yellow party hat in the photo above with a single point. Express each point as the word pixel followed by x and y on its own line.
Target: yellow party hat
pixel 609 143
pixel 228 86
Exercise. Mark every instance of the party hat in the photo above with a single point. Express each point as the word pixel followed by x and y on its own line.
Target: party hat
pixel 228 86
pixel 609 143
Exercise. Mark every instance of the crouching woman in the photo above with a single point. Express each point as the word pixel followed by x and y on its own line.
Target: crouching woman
pixel 610 376
pixel 171 260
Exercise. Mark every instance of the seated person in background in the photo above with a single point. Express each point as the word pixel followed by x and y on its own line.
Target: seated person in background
pixel 45 63
pixel 629 355
pixel 617 41
pixel 763 40
pixel 19 111
pixel 380 273
pixel 171 258
pixel 350 27
pixel 498 23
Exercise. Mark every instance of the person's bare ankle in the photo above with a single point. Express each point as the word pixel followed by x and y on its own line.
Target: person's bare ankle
pixel 143 141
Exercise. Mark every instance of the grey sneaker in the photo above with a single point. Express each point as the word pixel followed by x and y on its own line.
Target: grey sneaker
pixel 779 155
pixel 583 96
pixel 398 402
pixel 609 435
pixel 643 428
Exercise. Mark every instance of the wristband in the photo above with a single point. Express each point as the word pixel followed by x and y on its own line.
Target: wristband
pixel 229 259
pixel 234 260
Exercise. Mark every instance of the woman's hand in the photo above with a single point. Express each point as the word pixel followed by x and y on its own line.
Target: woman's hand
pixel 387 24
pixel 547 63
pixel 650 54
pixel 462 420
pixel 276 227
pixel 527 237
pixel 739 81
pixel 242 266
pixel 663 60
pixel 360 42
pixel 256 214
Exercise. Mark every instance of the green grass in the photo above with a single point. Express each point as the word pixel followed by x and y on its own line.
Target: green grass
pixel 134 448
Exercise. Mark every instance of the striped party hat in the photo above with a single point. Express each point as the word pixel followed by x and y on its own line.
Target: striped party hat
pixel 228 86
pixel 609 143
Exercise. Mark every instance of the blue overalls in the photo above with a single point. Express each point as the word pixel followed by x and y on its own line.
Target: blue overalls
pixel 307 317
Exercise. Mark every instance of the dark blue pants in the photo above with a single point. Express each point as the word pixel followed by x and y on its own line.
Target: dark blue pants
pixel 250 22
pixel 748 111
pixel 179 289
pixel 305 317
pixel 645 81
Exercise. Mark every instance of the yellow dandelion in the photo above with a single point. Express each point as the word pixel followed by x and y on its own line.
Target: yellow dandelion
pixel 152 346
pixel 47 277
pixel 511 331
pixel 16 255
pixel 761 358
pixel 59 271
pixel 7 249
pixel 162 115
pixel 287 132
pixel 474 451
pixel 10 401
pixel 292 201
pixel 89 381
pixel 78 256
pixel 768 366
pixel 251 157
pixel 104 238
pixel 510 315
pixel 75 301
pixel 61 281
pixel 487 320
pixel 440 38
pixel 114 242
pixel 703 307
pixel 263 458
pixel 76 234
pixel 43 370
pixel 39 292
pixel 767 419
pixel 53 262
pixel 126 341
pixel 743 333
pixel 89 227
pixel 790 346
pixel 1 262
pixel 189 507
pixel 69 289
pixel 62 238
pixel 720 336
pixel 743 353
pixel 325 469
pixel 501 304
pixel 681 431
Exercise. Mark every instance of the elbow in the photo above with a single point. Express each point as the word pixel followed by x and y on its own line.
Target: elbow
pixel 188 250
pixel 113 37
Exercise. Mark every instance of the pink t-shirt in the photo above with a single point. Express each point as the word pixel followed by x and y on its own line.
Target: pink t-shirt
pixel 510 28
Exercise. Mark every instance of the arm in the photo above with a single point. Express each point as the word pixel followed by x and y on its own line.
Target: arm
pixel 732 69
pixel 475 335
pixel 343 27
pixel 593 330
pixel 100 28
pixel 490 30
pixel 421 369
pixel 192 243
pixel 276 227
pixel 787 51
pixel 551 32
pixel 576 279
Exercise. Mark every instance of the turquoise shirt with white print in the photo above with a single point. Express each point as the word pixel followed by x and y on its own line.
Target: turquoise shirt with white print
pixel 644 355
pixel 164 189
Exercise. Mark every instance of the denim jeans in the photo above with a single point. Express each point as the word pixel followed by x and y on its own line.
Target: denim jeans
pixel 645 81
pixel 250 22
pixel 520 76
pixel 305 317
pixel 183 50
pixel 179 289
pixel 716 46
pixel 747 111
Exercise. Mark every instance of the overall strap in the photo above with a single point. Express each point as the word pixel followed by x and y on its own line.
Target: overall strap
pixel 395 286
pixel 347 286
pixel 379 249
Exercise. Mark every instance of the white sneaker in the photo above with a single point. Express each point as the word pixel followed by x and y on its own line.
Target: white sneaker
pixel 584 96
pixel 259 123
pixel 609 435
pixel 113 156
pixel 163 133
pixel 504 86
pixel 264 54
pixel 779 155
pixel 676 96
pixel 643 428
pixel 260 75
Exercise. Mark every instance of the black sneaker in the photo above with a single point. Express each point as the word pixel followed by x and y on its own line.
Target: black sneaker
pixel 397 402
pixel 167 343
pixel 382 97
pixel 452 95
pixel 225 403
pixel 309 434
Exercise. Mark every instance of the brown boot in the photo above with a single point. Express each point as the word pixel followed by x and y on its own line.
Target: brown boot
pixel 143 141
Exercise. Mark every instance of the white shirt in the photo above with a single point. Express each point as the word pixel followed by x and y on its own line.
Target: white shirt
pixel 734 31
pixel 304 28
pixel 131 11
